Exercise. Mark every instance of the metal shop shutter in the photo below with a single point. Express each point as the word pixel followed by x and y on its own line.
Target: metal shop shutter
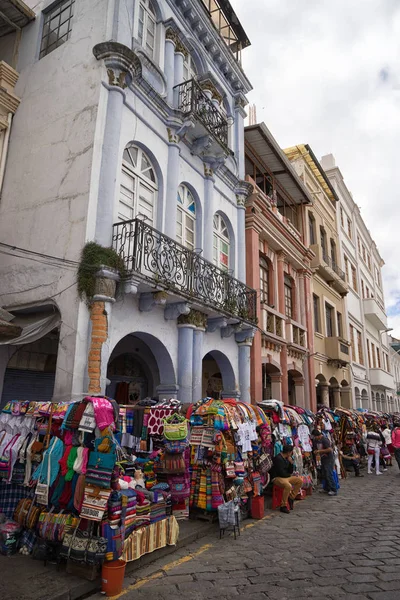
pixel 27 385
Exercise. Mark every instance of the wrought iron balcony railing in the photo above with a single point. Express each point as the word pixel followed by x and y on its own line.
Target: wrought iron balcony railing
pixel 192 99
pixel 332 264
pixel 166 263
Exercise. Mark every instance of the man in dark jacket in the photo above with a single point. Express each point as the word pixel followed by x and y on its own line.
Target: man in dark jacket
pixel 282 476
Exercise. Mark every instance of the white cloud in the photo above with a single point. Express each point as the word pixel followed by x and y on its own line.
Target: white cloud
pixel 327 73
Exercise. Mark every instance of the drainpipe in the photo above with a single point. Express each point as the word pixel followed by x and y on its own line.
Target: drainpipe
pixel 5 150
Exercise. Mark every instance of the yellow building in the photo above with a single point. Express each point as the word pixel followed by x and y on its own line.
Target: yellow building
pixel 331 348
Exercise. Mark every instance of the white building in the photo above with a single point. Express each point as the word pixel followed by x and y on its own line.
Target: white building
pixel 373 384
pixel 394 356
pixel 131 114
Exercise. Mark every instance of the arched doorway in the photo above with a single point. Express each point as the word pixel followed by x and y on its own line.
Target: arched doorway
pixel 31 370
pixel 334 393
pixel 322 390
pixel 140 366
pixel 295 388
pixel 346 395
pixel 218 379
pixel 364 399
pixel 271 382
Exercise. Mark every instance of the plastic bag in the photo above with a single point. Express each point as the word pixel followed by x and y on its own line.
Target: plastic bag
pixel 226 514
pixel 10 532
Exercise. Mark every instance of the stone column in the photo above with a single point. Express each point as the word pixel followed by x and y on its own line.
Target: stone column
pixel 208 212
pixel 345 397
pixel 178 74
pixel 243 190
pixel 299 392
pixel 276 386
pixel 198 338
pixel 169 65
pixel 336 397
pixel 172 185
pixel 122 65
pixel 244 371
pixel 281 308
pixel 100 317
pixel 240 115
pixel 253 280
pixel 309 323
pixel 244 339
pixel 324 393
pixel 185 363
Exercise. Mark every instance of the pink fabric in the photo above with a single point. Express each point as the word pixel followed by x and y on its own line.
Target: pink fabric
pixel 85 458
pixel 155 423
pixel 396 437
pixel 103 412
pixel 68 438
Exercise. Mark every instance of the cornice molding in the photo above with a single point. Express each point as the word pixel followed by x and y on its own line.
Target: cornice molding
pixel 210 39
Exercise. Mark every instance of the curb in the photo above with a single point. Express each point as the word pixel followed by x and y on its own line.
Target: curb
pixel 86 588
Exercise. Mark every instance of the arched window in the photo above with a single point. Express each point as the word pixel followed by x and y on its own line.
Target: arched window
pixel 186 218
pixel 138 192
pixel 147 24
pixel 264 281
pixel 221 243
pixel 189 68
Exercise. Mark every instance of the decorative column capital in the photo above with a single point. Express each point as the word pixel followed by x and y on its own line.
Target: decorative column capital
pixel 243 191
pixel 194 317
pixel 175 310
pixel 245 336
pixel 121 62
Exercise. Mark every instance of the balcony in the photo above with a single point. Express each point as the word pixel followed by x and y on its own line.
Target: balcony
pixel 296 335
pixel 374 313
pixel 166 264
pixel 337 350
pixel 207 119
pixel 272 322
pixel 380 378
pixel 329 270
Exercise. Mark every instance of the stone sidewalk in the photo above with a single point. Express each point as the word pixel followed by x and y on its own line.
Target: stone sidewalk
pixel 346 547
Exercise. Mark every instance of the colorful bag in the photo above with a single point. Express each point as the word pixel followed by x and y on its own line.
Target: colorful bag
pixel 264 463
pixel 176 447
pixel 80 546
pixel 26 513
pixel 100 466
pixel 94 503
pixel 175 431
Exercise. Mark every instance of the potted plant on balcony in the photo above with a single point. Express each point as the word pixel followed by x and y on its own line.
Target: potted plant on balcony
pixel 93 258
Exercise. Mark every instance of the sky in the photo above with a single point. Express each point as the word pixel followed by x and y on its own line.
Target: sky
pixel 327 73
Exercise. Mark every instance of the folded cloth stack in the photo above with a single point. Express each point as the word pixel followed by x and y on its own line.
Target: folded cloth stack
pixel 158 510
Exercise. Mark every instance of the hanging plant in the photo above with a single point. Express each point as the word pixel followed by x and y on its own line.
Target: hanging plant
pixel 93 257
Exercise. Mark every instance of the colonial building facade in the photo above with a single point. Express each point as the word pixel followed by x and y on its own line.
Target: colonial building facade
pixel 331 352
pixel 130 134
pixel 279 268
pixel 373 384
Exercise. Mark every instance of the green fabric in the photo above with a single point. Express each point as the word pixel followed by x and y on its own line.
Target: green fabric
pixel 70 463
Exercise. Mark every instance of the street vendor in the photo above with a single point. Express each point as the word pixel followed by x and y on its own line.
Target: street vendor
pixel 323 451
pixel 282 476
pixel 350 455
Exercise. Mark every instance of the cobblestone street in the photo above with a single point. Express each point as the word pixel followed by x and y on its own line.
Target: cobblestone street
pixel 290 557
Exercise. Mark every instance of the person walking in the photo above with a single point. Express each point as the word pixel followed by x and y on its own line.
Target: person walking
pixel 323 451
pixel 374 444
pixel 387 434
pixel 396 442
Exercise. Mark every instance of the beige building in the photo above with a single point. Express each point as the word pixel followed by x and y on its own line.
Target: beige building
pixel 331 348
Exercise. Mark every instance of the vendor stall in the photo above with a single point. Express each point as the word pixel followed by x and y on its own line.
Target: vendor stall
pixel 91 481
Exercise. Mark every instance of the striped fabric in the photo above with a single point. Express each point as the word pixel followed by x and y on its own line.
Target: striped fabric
pixel 147 539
